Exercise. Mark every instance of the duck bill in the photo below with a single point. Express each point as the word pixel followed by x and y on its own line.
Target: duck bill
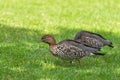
pixel 41 41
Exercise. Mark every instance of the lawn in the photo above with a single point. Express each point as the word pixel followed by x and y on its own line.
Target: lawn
pixel 23 22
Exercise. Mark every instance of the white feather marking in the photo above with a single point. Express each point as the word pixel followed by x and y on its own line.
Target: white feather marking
pixel 92 54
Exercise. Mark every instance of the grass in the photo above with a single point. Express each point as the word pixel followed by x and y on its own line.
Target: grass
pixel 23 22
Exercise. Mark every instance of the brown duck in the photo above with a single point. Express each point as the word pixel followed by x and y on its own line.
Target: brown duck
pixel 92 39
pixel 68 49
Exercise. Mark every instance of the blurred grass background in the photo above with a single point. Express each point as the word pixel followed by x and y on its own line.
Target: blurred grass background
pixel 23 22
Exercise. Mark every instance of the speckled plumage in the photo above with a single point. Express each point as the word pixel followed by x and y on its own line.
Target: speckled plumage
pixel 68 49
pixel 92 39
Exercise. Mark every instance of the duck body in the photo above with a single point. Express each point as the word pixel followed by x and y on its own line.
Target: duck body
pixel 70 50
pixel 92 39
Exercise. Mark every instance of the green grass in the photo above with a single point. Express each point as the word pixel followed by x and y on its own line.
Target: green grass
pixel 23 22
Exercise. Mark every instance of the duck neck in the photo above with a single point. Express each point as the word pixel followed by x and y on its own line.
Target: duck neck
pixel 52 45
pixel 52 42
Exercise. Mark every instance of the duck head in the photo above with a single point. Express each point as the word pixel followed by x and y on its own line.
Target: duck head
pixel 49 39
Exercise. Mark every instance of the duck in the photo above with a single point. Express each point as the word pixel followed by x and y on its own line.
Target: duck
pixel 68 49
pixel 92 39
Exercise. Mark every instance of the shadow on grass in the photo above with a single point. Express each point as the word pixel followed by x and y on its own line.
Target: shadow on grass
pixel 21 56
pixel 13 34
